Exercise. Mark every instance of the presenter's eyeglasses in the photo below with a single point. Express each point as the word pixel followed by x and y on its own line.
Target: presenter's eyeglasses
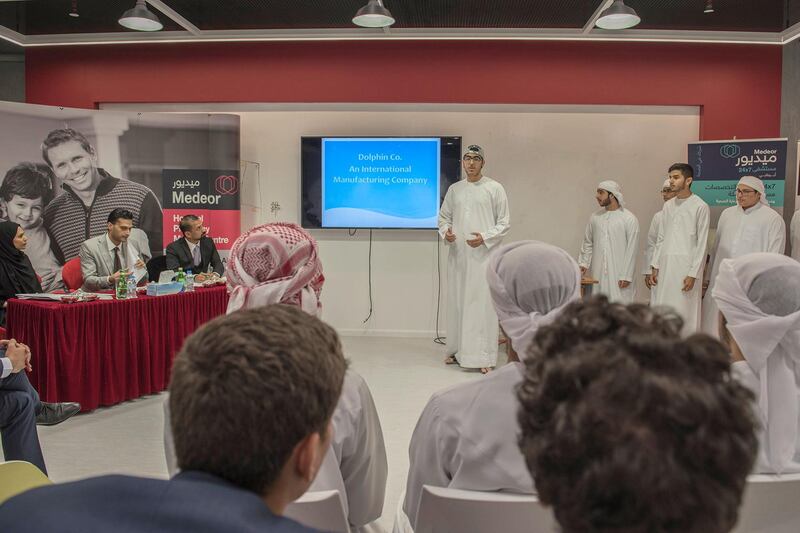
pixel 745 191
pixel 468 158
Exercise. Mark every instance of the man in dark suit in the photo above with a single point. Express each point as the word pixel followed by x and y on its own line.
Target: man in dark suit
pixel 20 408
pixel 194 251
pixel 251 401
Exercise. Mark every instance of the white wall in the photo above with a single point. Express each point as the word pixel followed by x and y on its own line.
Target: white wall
pixel 549 158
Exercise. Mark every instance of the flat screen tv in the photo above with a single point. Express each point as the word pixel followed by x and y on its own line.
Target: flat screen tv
pixel 376 182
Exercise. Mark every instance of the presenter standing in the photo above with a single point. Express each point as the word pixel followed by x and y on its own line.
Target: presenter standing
pixel 680 250
pixel 473 219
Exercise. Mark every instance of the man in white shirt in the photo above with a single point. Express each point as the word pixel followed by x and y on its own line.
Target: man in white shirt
pixel 759 298
pixel 466 437
pixel 473 219
pixel 748 227
pixel 278 263
pixel 609 244
pixel 652 236
pixel 680 250
pixel 104 256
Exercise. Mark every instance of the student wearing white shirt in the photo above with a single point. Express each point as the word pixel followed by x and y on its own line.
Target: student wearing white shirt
pixel 759 299
pixel 281 266
pixel 466 437
pixel 610 243
pixel 680 251
pixel 747 227
pixel 652 236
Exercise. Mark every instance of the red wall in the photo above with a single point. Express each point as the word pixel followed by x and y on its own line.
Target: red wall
pixel 738 86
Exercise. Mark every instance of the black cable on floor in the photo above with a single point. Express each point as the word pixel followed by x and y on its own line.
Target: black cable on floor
pixel 438 339
pixel 369 276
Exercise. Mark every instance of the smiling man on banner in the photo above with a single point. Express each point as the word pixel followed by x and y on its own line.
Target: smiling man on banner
pixel 90 193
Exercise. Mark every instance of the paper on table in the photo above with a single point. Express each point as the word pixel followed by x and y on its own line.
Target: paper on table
pixel 138 273
pixel 40 296
pixel 57 297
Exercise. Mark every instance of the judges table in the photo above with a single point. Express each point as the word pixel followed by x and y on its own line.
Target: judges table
pixel 108 351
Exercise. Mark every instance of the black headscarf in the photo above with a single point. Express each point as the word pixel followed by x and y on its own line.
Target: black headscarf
pixel 16 272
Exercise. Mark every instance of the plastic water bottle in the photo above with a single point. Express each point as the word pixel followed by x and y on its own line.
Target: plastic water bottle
pixel 180 277
pixel 132 285
pixel 122 285
pixel 188 285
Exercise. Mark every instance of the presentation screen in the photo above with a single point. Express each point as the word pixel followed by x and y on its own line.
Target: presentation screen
pixel 376 182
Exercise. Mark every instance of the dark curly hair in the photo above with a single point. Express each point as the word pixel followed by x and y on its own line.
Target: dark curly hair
pixel 626 427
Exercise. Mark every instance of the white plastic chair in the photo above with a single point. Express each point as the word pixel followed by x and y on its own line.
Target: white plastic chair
pixel 444 510
pixel 771 505
pixel 320 510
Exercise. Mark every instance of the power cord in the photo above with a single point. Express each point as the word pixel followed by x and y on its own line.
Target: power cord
pixel 369 277
pixel 438 339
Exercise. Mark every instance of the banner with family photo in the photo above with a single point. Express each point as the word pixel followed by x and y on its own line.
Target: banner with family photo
pixel 64 170
pixel 718 166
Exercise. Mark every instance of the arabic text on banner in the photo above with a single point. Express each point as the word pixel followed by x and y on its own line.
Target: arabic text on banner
pixel 719 165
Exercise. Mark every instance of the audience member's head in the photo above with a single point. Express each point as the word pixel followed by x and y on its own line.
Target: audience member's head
pixel 530 282
pixel 275 263
pixel 628 427
pixel 120 224
pixel 27 188
pixel 251 398
pixel 758 296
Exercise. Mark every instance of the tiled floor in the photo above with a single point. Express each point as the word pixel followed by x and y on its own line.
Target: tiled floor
pixel 401 372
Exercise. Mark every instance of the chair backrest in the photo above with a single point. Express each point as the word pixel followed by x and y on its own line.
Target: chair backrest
pixel 71 274
pixel 321 510
pixel 18 476
pixel 771 505
pixel 156 266
pixel 444 510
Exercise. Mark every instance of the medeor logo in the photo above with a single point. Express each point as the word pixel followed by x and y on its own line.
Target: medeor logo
pixel 226 185
pixel 730 150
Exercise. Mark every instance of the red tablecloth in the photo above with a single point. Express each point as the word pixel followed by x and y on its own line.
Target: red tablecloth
pixel 108 351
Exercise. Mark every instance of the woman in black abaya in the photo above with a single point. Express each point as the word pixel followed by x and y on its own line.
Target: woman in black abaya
pixel 16 272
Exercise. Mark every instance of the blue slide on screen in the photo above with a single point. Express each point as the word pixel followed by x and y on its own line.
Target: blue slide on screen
pixel 380 182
